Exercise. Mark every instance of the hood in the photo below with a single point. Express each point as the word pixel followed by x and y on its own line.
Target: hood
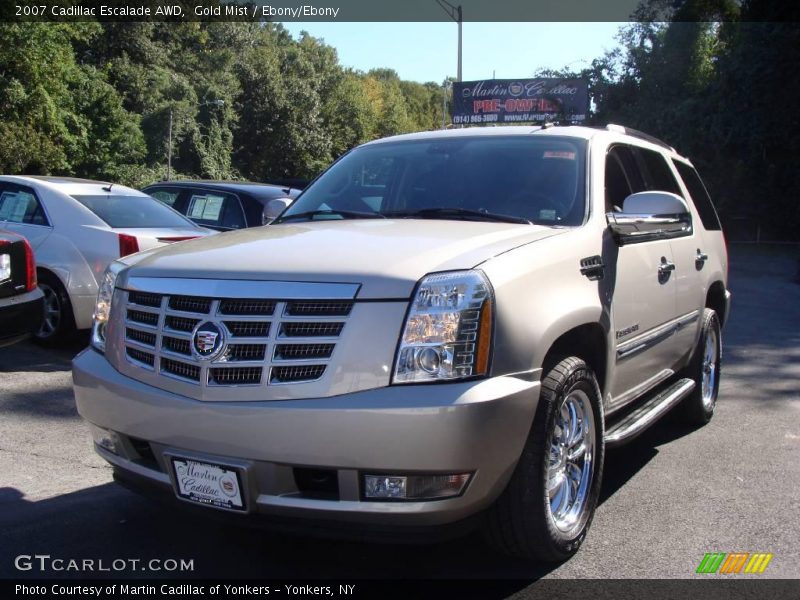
pixel 387 257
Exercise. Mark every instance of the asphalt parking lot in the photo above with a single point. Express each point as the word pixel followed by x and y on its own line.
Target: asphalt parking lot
pixel 668 498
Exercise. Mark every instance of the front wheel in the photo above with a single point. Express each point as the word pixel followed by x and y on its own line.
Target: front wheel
pixel 547 508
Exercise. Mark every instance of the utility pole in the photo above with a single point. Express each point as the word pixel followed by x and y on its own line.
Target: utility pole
pixel 447 84
pixel 169 148
pixel 455 13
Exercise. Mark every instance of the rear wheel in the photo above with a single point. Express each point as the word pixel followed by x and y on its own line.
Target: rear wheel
pixel 547 508
pixel 704 369
pixel 58 323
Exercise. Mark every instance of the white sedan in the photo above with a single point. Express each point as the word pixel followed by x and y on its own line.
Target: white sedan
pixel 77 227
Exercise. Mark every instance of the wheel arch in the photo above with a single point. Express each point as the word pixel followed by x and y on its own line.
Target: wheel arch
pixel 588 342
pixel 715 299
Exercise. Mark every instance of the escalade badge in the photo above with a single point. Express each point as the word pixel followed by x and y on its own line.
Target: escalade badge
pixel 207 340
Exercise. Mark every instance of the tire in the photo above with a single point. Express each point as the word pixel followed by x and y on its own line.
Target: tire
pixel 528 521
pixel 58 322
pixel 705 369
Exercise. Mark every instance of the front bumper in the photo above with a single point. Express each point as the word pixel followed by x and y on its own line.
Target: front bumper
pixel 478 427
pixel 20 316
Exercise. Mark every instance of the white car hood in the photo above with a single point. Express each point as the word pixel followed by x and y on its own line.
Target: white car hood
pixel 386 257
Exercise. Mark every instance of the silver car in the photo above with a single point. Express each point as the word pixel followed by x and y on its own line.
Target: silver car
pixel 77 227
pixel 445 329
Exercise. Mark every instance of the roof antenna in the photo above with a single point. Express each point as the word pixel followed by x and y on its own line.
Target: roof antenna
pixel 107 188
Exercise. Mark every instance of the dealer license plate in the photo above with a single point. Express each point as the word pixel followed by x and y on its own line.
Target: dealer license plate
pixel 208 484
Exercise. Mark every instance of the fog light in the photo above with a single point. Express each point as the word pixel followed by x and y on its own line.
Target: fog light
pixel 106 439
pixel 414 487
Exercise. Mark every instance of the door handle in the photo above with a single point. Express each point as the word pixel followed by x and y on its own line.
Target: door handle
pixel 666 266
pixel 700 259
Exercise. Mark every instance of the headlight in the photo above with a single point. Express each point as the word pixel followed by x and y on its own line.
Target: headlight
pixel 448 330
pixel 102 308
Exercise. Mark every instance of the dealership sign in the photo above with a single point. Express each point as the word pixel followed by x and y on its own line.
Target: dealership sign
pixel 520 100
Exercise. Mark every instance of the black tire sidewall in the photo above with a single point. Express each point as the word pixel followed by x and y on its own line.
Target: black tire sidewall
pixel 698 412
pixel 579 377
pixel 66 323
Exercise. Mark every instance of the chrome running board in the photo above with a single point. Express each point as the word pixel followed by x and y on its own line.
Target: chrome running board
pixel 648 413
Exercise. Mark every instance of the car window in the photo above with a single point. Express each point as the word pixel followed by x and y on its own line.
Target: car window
pixel 700 196
pixel 216 209
pixel 658 175
pixel 132 211
pixel 541 179
pixel 167 196
pixel 19 204
pixel 622 177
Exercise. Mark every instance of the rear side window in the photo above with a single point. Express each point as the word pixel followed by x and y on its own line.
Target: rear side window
pixel 658 176
pixel 216 210
pixel 19 205
pixel 700 196
pixel 132 211
pixel 167 196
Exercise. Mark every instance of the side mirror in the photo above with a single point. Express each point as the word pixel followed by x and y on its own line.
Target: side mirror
pixel 650 216
pixel 274 208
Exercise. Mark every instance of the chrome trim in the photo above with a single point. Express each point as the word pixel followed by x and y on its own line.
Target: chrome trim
pixel 251 371
pixel 641 389
pixel 647 414
pixel 629 228
pixel 653 336
pixel 238 288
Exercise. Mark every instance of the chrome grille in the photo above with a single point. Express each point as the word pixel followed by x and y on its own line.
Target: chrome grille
pixel 246 307
pixel 145 318
pixel 317 308
pixel 302 351
pixel 190 304
pixel 181 323
pixel 159 327
pixel 177 345
pixel 296 373
pixel 235 376
pixel 311 329
pixel 180 369
pixel 141 356
pixel 143 337
pixel 248 328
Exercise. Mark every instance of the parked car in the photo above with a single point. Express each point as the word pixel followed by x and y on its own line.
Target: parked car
pixel 445 329
pixel 20 299
pixel 224 205
pixel 76 228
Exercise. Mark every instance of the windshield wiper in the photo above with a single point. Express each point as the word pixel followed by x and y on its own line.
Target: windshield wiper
pixel 345 214
pixel 445 212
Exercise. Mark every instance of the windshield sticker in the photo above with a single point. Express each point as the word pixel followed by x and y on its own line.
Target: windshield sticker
pixel 554 154
pixel 13 206
pixel 207 208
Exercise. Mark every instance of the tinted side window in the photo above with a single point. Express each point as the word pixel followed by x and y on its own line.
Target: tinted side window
pixel 166 195
pixel 700 196
pixel 19 204
pixel 215 209
pixel 658 175
pixel 622 178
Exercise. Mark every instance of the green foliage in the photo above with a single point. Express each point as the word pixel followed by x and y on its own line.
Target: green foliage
pixel 714 78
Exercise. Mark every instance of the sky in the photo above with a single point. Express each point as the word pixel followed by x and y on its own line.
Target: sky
pixel 428 51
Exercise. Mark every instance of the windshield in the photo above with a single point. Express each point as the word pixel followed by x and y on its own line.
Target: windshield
pixel 519 179
pixel 133 211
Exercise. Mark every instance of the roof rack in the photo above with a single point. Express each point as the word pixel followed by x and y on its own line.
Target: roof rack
pixel 638 134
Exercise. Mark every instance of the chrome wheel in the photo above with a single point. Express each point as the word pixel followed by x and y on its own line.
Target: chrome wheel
pixel 52 312
pixel 709 379
pixel 571 461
